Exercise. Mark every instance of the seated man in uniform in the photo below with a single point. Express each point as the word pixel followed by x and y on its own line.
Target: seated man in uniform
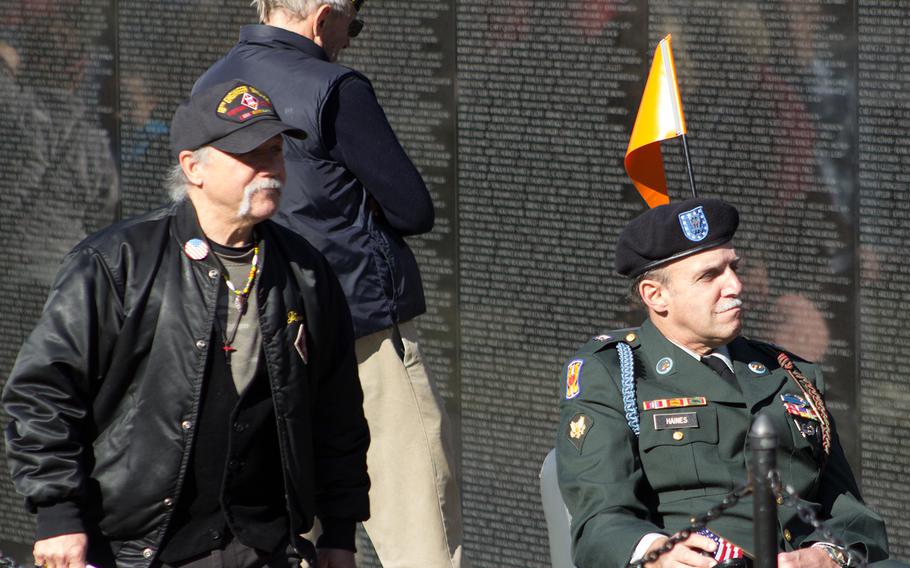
pixel 654 420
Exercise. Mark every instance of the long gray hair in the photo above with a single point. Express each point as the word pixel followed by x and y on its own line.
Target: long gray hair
pixel 177 182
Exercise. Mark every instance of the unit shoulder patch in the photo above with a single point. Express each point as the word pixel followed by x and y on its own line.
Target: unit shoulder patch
pixel 573 378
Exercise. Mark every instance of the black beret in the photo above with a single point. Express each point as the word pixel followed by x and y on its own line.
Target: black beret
pixel 673 231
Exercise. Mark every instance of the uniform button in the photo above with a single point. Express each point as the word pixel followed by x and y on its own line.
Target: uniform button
pixel 147 553
pixel 186 424
pixel 631 337
pixel 678 435
pixel 213 273
pixel 787 536
pixel 780 500
pixel 168 502
pixel 200 344
pixel 215 535
pixel 239 427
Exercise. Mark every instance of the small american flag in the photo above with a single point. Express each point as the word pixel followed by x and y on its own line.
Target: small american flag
pixel 725 549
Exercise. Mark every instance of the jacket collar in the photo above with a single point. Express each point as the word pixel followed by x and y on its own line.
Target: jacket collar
pixel 688 376
pixel 186 224
pixel 759 374
pixel 186 227
pixel 263 34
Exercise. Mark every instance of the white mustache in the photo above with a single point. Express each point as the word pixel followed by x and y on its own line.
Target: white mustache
pixel 251 189
pixel 263 183
pixel 726 305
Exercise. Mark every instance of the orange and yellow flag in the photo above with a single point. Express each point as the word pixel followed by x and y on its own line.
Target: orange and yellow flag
pixel 660 117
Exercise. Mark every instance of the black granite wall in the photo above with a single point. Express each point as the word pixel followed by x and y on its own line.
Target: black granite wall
pixel 518 115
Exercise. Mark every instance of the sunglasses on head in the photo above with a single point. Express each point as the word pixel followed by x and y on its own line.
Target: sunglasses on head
pixel 355 27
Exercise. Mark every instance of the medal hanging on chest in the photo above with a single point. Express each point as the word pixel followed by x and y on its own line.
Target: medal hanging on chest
pixel 240 302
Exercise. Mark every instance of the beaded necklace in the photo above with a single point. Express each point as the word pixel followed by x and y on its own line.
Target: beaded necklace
pixel 240 301
pixel 241 296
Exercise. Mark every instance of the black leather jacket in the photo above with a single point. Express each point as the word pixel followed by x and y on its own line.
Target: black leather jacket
pixel 105 392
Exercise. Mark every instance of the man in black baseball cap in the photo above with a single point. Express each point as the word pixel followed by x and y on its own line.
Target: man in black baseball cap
pixel 654 419
pixel 232 116
pixel 198 362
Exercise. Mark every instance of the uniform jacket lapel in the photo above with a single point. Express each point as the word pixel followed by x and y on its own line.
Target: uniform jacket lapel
pixel 688 376
pixel 757 383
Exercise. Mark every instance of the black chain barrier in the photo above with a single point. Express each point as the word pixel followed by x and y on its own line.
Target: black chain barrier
pixel 787 496
pixel 696 523
pixel 807 515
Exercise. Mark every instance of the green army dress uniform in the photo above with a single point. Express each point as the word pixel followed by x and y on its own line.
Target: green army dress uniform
pixel 619 486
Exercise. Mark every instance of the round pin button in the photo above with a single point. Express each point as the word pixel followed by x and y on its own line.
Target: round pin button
pixel 631 337
pixel 196 249
pixel 678 435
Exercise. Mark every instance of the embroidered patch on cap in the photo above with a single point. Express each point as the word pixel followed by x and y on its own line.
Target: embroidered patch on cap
pixel 579 427
pixel 243 103
pixel 694 224
pixel 573 378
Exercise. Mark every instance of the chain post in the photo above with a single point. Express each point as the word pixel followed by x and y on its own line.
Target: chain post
pixel 763 442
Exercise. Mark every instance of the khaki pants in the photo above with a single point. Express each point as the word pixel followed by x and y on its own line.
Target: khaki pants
pixel 415 503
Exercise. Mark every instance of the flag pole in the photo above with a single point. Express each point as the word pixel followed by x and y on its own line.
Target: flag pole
pixel 685 146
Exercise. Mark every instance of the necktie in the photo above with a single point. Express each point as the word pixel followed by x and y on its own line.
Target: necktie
pixel 721 368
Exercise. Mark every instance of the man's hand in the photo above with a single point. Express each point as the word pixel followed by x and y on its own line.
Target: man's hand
pixel 812 557
pixel 687 553
pixel 335 558
pixel 64 551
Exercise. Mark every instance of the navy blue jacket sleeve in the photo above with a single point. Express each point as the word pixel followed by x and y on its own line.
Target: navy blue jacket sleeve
pixel 358 134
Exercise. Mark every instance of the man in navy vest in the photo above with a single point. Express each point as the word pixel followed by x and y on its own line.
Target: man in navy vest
pixel 354 194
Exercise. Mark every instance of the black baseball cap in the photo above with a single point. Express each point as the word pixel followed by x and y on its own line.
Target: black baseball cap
pixel 673 231
pixel 233 116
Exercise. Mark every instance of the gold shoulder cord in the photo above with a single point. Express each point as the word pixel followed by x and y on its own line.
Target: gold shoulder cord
pixel 815 401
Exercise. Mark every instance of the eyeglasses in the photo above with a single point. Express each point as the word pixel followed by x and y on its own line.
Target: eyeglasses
pixel 355 27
